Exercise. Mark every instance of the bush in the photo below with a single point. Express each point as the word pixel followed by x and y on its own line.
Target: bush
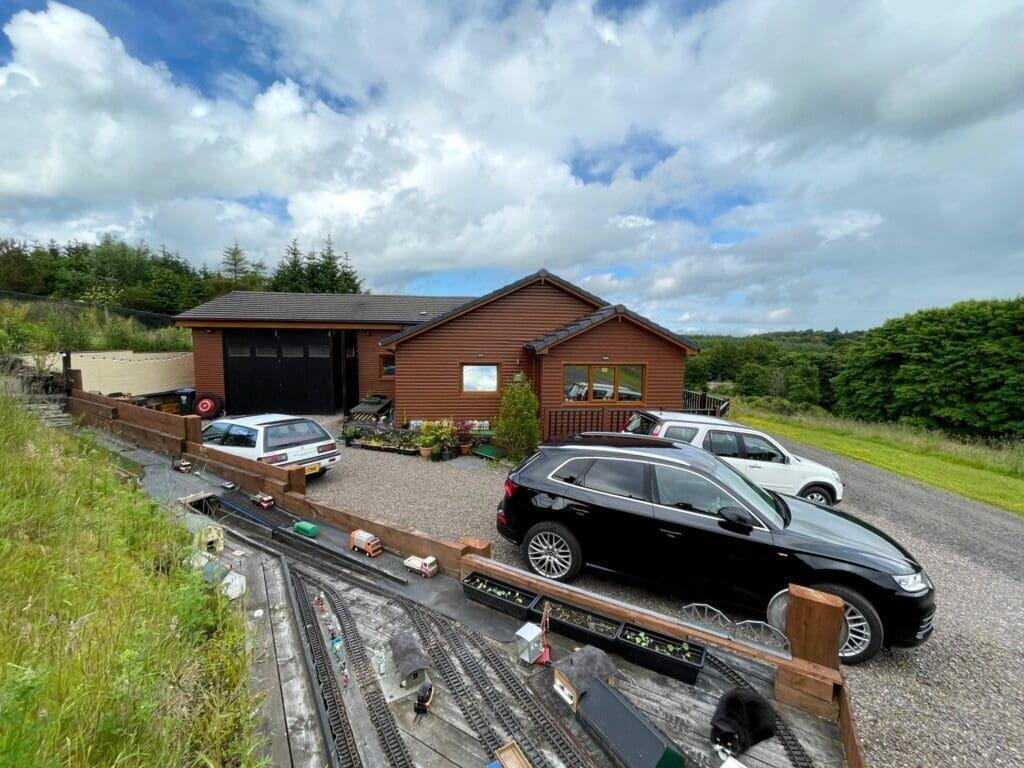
pixel 438 434
pixel 518 428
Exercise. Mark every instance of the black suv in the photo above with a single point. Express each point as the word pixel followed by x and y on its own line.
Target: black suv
pixel 677 515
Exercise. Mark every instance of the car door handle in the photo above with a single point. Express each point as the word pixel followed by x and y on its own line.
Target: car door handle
pixel 753 466
pixel 579 511
pixel 669 534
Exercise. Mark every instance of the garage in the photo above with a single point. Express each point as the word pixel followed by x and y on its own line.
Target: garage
pixel 294 371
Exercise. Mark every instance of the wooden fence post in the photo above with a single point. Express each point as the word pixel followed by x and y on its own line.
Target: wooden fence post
pixel 193 429
pixel 814 622
pixel 297 479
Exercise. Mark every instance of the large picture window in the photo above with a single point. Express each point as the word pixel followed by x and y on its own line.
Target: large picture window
pixel 479 378
pixel 604 383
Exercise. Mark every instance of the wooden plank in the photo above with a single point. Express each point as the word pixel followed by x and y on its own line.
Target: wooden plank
pixel 820 689
pixel 78 407
pixel 814 622
pixel 854 751
pixel 620 611
pixel 796 697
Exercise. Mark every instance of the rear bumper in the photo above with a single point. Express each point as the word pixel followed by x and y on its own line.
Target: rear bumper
pixel 505 530
pixel 326 461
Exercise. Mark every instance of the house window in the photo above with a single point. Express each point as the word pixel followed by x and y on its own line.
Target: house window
pixel 604 383
pixel 387 366
pixel 479 379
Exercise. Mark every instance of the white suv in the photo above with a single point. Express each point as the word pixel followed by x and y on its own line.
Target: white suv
pixel 755 454
pixel 274 438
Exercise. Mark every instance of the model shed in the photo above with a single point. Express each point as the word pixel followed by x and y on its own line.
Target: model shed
pixel 591 363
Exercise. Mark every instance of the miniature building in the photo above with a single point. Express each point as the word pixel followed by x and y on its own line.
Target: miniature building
pixel 410 661
pixel 623 732
pixel 529 642
pixel 576 673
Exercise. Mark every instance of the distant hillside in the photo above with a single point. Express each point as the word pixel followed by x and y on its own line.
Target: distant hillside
pixel 792 341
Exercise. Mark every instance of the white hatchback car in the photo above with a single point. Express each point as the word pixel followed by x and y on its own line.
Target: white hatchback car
pixel 275 438
pixel 757 455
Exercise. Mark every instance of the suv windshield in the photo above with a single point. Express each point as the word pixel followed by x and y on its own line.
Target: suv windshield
pixel 640 424
pixel 294 433
pixel 757 498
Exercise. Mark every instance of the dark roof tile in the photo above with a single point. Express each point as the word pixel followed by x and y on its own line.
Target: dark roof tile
pixel 322 307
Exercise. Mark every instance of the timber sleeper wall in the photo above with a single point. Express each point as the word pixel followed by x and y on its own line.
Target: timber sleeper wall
pixel 182 435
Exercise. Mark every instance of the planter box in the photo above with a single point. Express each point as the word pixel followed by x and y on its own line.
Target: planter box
pixel 576 627
pixel 521 610
pixel 661 661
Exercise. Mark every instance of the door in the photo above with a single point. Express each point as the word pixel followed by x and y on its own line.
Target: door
pixel 765 464
pixel 614 507
pixel 278 371
pixel 725 445
pixel 702 556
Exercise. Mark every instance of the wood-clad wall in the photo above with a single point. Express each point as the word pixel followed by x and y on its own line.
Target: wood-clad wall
pixel 368 351
pixel 208 359
pixel 620 341
pixel 429 365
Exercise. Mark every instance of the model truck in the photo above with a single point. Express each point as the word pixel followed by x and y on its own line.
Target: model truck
pixel 365 542
pixel 424 566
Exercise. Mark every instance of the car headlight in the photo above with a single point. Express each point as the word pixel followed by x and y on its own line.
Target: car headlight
pixel 914 582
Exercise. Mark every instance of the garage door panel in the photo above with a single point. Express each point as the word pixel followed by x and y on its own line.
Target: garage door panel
pixel 278 371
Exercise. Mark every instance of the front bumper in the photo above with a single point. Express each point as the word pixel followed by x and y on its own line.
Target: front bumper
pixel 910 619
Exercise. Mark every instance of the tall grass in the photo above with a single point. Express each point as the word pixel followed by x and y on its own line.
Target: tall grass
pixel 38 326
pixel 112 652
pixel 1003 457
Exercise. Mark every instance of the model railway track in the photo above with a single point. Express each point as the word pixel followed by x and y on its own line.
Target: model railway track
pixel 438 643
pixel 790 743
pixel 388 735
pixel 342 739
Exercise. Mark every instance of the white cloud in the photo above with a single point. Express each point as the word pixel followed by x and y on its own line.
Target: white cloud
pixel 867 159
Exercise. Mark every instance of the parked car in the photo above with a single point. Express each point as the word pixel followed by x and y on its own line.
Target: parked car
pixel 275 438
pixel 757 455
pixel 676 515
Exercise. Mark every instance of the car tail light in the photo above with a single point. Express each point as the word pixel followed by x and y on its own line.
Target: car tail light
pixel 274 458
pixel 502 519
pixel 510 488
pixel 326 447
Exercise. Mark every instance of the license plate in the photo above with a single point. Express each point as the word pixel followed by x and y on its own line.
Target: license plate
pixel 312 468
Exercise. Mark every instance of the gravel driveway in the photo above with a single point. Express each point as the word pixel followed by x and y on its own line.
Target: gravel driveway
pixel 955 701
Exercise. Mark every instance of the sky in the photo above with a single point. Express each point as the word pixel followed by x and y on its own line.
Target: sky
pixel 724 167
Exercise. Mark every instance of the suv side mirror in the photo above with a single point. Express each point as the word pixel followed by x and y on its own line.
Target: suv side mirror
pixel 737 516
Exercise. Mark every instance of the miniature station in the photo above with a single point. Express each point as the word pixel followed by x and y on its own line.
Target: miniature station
pixel 370 658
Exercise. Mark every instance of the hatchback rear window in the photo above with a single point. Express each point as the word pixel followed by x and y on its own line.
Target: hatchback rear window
pixel 295 433
pixel 639 424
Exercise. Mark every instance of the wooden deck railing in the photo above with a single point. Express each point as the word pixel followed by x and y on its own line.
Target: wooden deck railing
pixel 703 403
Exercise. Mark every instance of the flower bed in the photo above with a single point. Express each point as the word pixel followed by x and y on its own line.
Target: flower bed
pixel 499 595
pixel 679 659
pixel 580 624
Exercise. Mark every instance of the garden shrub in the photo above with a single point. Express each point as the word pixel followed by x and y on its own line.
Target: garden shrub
pixel 518 428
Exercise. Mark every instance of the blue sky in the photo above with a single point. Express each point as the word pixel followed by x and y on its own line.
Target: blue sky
pixel 728 166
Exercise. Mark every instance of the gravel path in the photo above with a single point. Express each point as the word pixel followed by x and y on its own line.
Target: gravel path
pixel 955 701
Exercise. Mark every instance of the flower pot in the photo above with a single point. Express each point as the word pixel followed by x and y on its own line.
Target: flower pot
pixel 447 453
pixel 465 448
pixel 683 662
pixel 435 454
pixel 425 451
pixel 515 601
pixel 579 624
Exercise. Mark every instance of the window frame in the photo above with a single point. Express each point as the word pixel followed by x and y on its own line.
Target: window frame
pixel 380 366
pixel 655 492
pixel 740 448
pixel 778 449
pixel 648 489
pixel 591 401
pixel 480 363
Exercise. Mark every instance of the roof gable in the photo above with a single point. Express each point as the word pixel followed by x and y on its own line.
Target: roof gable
pixel 541 275
pixel 570 330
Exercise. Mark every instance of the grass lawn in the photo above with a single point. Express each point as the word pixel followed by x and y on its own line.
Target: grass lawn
pixel 112 653
pixel 988 474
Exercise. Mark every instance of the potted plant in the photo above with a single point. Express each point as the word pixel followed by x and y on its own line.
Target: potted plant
pixel 463 436
pixel 580 624
pixel 679 659
pixel 350 433
pixel 499 595
pixel 426 446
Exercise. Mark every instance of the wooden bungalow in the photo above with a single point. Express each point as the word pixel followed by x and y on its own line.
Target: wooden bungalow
pixel 591 363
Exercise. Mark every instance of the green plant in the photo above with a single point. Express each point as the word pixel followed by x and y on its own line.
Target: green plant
pixel 463 432
pixel 352 432
pixel 518 428
pixel 438 434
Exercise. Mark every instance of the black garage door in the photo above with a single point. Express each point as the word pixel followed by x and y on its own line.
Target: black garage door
pixel 279 371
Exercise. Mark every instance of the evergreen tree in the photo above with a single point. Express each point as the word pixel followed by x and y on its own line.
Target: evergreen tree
pixel 290 275
pixel 234 266
pixel 348 279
